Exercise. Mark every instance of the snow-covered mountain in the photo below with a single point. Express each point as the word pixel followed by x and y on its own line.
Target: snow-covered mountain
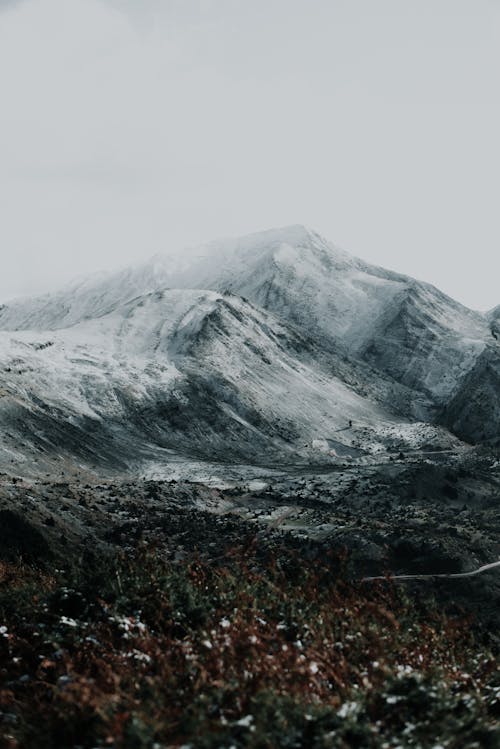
pixel 257 348
pixel 407 330
pixel 193 371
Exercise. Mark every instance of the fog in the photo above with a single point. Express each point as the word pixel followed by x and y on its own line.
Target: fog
pixel 129 128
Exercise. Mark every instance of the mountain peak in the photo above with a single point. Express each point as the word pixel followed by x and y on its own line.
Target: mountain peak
pixel 258 243
pixel 227 261
pixel 293 234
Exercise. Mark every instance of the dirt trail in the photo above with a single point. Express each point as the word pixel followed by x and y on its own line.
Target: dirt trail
pixel 449 576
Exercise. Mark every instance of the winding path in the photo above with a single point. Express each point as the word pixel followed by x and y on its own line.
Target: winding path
pixel 449 576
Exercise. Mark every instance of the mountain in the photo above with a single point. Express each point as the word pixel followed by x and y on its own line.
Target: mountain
pixel 196 372
pixel 407 330
pixel 263 348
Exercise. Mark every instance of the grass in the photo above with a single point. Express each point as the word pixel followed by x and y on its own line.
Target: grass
pixel 243 652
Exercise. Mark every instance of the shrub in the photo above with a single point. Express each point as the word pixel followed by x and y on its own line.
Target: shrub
pixel 251 651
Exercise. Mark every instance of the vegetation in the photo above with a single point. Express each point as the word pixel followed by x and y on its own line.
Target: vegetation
pixel 243 651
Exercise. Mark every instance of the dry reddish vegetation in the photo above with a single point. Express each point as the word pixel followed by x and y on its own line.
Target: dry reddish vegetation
pixel 241 652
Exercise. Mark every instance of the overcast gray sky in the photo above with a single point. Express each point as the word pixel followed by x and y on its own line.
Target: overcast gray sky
pixel 130 127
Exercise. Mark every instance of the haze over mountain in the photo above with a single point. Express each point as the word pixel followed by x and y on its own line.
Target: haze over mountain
pixel 269 347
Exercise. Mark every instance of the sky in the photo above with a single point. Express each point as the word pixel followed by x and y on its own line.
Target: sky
pixel 132 127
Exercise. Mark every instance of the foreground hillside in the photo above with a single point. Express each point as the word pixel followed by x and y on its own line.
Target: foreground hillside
pixel 257 647
pixel 140 613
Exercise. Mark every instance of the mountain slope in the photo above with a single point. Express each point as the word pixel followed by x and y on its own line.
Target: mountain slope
pixel 494 321
pixel 84 299
pixel 196 372
pixel 407 330
pixel 473 412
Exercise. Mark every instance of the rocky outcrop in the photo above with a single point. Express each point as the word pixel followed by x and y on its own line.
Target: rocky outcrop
pixel 473 413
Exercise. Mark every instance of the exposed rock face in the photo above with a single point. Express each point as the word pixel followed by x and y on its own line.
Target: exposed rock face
pixel 494 320
pixel 474 411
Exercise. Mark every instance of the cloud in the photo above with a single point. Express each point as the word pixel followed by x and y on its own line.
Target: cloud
pixel 131 127
pixel 7 4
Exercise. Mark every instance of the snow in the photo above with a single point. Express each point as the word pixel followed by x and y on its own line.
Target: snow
pixel 143 350
pixel 84 363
